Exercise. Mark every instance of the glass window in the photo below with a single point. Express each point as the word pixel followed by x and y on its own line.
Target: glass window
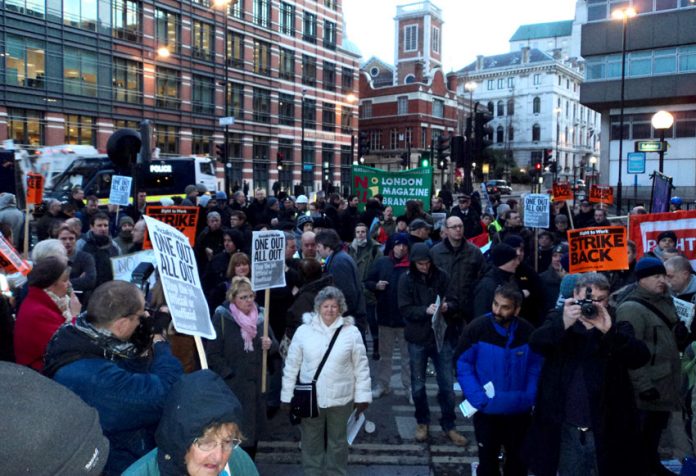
pixel 500 108
pixel 329 35
pixel 36 8
pixel 328 119
pixel 536 105
pixel 309 70
pixel 639 64
pixel 614 66
pixel 25 126
pixel 235 50
pixel 235 99
pixel 329 76
pixel 511 82
pixel 80 14
pixel 287 18
pixel 438 108
pixel 168 30
pixel 347 119
pixel 166 138
pixel 262 105
pixel 286 68
pixel 641 130
pixel 25 62
pixel 286 109
pixel 595 69
pixel 347 79
pixel 499 135
pixel 308 162
pixel 366 109
pixel 402 105
pixel 665 4
pixel 262 57
pixel 665 61
pixel 310 113
pixel 309 31
pixel 489 84
pixel 687 58
pixel 410 39
pixel 80 130
pixel 511 134
pixel 200 141
pixel 127 80
pixel 237 9
pixel 286 154
pixel 203 40
pixel 536 132
pixel 79 72
pixel 436 40
pixel 511 107
pixel 203 94
pixel 262 13
pixel 346 169
pixel 537 79
pixel 125 19
pixel 168 88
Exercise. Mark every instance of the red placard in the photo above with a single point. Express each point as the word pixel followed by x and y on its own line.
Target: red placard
pixel 35 186
pixel 184 219
pixel 597 249
pixel 601 194
pixel 643 229
pixel 562 191
pixel 10 260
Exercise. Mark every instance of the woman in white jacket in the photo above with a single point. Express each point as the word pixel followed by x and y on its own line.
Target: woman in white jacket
pixel 344 382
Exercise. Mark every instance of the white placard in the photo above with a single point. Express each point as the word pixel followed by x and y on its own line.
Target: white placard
pixel 123 266
pixel 685 311
pixel 267 259
pixel 179 274
pixel 120 190
pixel 537 207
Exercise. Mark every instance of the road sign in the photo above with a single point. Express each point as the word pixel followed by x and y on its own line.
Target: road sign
pixel 636 162
pixel 227 121
pixel 651 146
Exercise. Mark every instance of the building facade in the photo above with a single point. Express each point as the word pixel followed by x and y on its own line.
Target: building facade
pixel 75 71
pixel 660 73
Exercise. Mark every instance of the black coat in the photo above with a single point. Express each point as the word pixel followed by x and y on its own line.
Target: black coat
pixel 417 291
pixel 485 289
pixel 606 359
pixel 386 268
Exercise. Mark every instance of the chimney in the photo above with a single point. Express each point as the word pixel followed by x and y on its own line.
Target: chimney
pixel 479 62
pixel 525 55
pixel 557 53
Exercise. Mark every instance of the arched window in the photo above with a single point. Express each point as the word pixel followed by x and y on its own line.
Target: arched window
pixel 491 109
pixel 410 79
pixel 499 135
pixel 565 136
pixel 501 108
pixel 536 132
pixel 511 107
pixel 511 134
pixel 536 105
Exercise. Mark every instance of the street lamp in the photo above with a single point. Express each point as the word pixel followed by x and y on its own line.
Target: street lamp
pixel 558 138
pixel 302 137
pixel 661 121
pixel 224 6
pixel 622 14
pixel 593 161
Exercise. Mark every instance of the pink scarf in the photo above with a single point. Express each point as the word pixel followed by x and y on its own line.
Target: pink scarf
pixel 247 324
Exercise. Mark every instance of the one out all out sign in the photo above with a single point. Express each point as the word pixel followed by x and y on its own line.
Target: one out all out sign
pixel 267 260
pixel 396 187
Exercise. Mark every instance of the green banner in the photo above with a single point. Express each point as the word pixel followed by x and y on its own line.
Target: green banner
pixel 396 187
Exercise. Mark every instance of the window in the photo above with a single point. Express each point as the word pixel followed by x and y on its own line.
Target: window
pixel 262 13
pixel 665 61
pixel 499 135
pixel 489 85
pixel 436 40
pixel 262 57
pixel 537 79
pixel 168 86
pixel 200 141
pixel 125 19
pixel 203 40
pixel 125 124
pixel 286 68
pixel 261 160
pixel 500 108
pixel 287 19
pixel 262 105
pixel 501 83
pixel 286 153
pixel 685 124
pixel 536 132
pixel 346 120
pixel 235 50
pixel 80 130
pixel 511 107
pixel 309 107
pixel 346 169
pixel 25 126
pixel 410 39
pixel 327 164
pixel 168 30
pixel 330 4
pixel 36 8
pixel 511 134
pixel 166 139
pixel 402 105
pixel 80 14
pixel 393 139
pixel 329 35
pixel 309 70
pixel 438 108
pixel 490 107
pixel 308 165
pixel 127 80
pixel 236 148
pixel 309 30
pixel 511 82
pixel 639 63
pixel 203 100
pixel 286 109
pixel 375 140
pixel 328 118
pixel 237 9
pixel 687 58
pixel 79 72
pixel 329 76
pixel 536 105
pixel 25 62
pixel 366 109
pixel 235 100
pixel 347 78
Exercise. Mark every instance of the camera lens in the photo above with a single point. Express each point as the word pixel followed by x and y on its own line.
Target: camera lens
pixel 588 309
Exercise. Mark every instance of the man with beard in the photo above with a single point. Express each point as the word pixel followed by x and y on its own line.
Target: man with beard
pixel 124 240
pixel 505 261
pixel 99 244
pixel 210 241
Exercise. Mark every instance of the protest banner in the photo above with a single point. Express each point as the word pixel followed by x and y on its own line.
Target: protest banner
pixel 10 260
pixel 537 209
pixel 643 229
pixel 601 194
pixel 562 191
pixel 179 275
pixel 597 249
pixel 120 190
pixel 123 266
pixel 396 187
pixel 685 311
pixel 35 186
pixel 184 219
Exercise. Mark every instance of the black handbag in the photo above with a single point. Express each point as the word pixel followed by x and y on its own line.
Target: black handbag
pixel 304 399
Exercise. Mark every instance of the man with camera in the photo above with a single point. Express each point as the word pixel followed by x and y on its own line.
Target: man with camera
pixel 97 359
pixel 585 420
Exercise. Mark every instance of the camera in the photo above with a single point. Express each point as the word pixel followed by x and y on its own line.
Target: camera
pixel 157 323
pixel 587 306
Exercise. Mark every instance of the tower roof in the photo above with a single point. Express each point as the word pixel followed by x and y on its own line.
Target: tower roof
pixel 536 31
pixel 507 59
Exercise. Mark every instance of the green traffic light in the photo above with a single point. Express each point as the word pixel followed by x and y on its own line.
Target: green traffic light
pixel 425 163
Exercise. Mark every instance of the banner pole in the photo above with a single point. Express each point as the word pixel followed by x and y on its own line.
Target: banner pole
pixel 118 208
pixel 201 352
pixel 536 250
pixel 264 362
pixel 26 230
pixel 570 215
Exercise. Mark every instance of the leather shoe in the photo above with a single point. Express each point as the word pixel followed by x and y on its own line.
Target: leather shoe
pixel 421 432
pixel 457 439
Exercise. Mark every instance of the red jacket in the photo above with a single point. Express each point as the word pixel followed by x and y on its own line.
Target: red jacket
pixel 37 320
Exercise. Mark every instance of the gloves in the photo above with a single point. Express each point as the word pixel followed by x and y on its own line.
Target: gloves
pixel 360 407
pixel 649 395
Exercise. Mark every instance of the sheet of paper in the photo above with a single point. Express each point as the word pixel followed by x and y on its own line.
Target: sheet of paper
pixel 490 391
pixel 467 409
pixel 354 425
pixel 439 325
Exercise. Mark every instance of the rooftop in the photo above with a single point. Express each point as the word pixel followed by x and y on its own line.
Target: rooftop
pixel 543 30
pixel 507 60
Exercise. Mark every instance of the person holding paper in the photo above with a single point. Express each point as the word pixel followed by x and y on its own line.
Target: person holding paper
pixel 498 373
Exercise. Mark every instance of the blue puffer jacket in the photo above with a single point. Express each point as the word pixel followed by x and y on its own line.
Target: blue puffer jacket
pixel 492 353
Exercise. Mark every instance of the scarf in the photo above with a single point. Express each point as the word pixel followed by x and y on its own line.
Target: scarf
pixel 113 347
pixel 63 304
pixel 247 324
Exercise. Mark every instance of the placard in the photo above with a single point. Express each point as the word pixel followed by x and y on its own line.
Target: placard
pixel 178 272
pixel 184 219
pixel 120 190
pixel 562 191
pixel 10 260
pixel 685 311
pixel 35 186
pixel 123 266
pixel 537 207
pixel 601 194
pixel 267 259
pixel 644 229
pixel 597 249
pixel 396 188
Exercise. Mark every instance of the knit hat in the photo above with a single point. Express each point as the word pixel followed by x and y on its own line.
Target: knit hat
pixel 649 266
pixel 568 285
pixel 203 200
pixel 561 248
pixel 513 240
pixel 399 239
pixel 220 195
pixel 270 201
pixel 302 199
pixel 201 188
pixel 125 219
pixel 502 253
pixel 420 252
pixel 46 271
pixel 302 220
pixel 667 234
pixel 419 223
pixel 190 189
pixel 47 429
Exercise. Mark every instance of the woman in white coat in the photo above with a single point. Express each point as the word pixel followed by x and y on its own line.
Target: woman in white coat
pixel 344 382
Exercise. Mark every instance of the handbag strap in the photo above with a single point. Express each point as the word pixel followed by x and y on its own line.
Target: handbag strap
pixel 326 354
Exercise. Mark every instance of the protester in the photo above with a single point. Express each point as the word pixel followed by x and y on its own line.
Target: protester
pixel 83 272
pixel 471 220
pixel 343 384
pixel 49 220
pixel 308 246
pixel 681 278
pixel 552 277
pixel 124 240
pixel 505 261
pixel 585 217
pixel 12 216
pixel 98 243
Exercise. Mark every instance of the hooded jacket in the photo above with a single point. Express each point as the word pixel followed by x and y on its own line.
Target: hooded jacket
pixel 102 249
pixel 388 268
pixel 11 215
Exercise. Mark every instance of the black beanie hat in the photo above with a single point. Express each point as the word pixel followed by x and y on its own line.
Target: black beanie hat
pixel 502 254
pixel 46 428
pixel 667 234
pixel 649 266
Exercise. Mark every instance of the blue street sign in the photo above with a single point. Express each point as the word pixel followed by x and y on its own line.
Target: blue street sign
pixel 636 162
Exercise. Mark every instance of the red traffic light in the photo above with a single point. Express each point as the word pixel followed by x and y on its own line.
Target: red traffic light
pixel 537 166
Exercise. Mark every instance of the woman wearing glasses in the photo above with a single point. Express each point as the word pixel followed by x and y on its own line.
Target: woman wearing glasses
pixel 199 433
pixel 236 355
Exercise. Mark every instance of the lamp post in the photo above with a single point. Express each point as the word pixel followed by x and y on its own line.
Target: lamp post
pixel 302 137
pixel 558 140
pixel 224 5
pixel 623 14
pixel 661 121
pixel 593 161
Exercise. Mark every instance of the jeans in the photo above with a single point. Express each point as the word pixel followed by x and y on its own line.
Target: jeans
pixel 371 310
pixel 494 431
pixel 578 456
pixel 651 426
pixel 444 362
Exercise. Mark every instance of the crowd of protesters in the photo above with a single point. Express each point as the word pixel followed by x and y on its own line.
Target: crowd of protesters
pixel 570 374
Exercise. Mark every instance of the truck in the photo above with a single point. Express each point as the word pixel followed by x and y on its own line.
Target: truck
pixel 162 177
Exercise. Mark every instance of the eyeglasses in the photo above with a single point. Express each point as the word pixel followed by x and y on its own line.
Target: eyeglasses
pixel 210 445
pixel 455 227
pixel 246 297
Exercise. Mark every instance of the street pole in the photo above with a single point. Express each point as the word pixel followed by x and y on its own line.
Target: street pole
pixel 302 139
pixel 662 150
pixel 558 155
pixel 619 185
pixel 227 165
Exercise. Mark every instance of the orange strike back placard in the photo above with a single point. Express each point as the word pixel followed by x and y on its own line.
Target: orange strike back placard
pixel 597 249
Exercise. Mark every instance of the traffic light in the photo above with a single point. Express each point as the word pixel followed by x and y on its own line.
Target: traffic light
pixel 280 158
pixel 443 147
pixel 483 134
pixel 442 164
pixel 363 144
pixel 221 153
pixel 548 157
pixel 424 160
pixel 459 154
pixel 536 166
pixel 404 160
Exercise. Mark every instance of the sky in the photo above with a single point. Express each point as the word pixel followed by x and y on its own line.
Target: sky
pixel 471 27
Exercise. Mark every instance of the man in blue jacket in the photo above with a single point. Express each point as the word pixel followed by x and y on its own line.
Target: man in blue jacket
pixel 498 374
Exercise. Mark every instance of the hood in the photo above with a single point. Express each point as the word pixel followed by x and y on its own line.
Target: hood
pixel 419 252
pixel 7 200
pixel 194 402
pixel 310 317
